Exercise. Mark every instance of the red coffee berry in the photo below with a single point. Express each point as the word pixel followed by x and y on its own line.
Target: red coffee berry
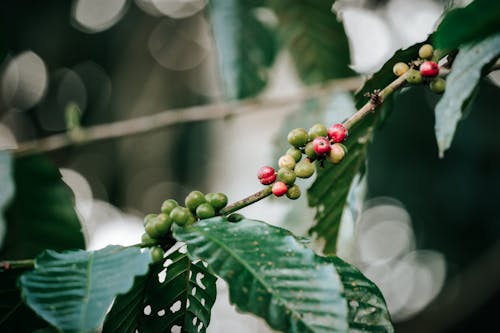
pixel 337 132
pixel 429 69
pixel 266 175
pixel 279 189
pixel 321 145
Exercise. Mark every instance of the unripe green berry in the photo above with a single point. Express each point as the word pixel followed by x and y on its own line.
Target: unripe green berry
pixel 162 224
pixel 194 199
pixel 337 153
pixel 414 77
pixel 286 161
pixel 157 254
pixel 293 192
pixel 235 217
pixel 151 228
pixel 147 240
pixel 304 169
pixel 286 175
pixel 298 137
pixel 295 153
pixel 438 85
pixel 205 211
pixel 168 205
pixel 400 68
pixel 217 200
pixel 317 130
pixel 191 219
pixel 149 218
pixel 180 215
pixel 426 51
pixel 309 151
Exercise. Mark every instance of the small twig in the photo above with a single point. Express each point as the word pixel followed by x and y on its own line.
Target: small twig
pixel 16 264
pixel 246 201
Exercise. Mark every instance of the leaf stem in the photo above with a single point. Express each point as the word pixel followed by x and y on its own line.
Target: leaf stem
pixel 16 264
pixel 246 201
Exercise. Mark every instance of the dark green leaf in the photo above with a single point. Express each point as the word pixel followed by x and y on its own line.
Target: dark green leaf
pixel 270 273
pixel 461 25
pixel 186 287
pixel 6 189
pixel 42 215
pixel 315 38
pixel 73 290
pixel 367 308
pixel 246 47
pixel 460 85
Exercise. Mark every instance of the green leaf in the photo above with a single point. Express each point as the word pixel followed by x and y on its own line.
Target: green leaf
pixel 186 287
pixel 367 309
pixel 42 214
pixel 460 85
pixel 316 39
pixel 73 290
pixel 6 189
pixel 246 47
pixel 461 25
pixel 270 273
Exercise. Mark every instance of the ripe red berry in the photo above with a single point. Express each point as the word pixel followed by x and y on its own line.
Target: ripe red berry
pixel 337 132
pixel 429 69
pixel 279 189
pixel 266 175
pixel 321 145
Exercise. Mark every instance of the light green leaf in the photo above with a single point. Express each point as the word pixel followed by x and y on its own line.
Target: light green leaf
pixel 6 189
pixel 270 273
pixel 367 309
pixel 316 39
pixel 41 215
pixel 460 85
pixel 246 47
pixel 461 25
pixel 73 290
pixel 178 284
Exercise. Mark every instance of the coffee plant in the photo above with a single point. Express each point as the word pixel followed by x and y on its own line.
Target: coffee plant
pixel 166 283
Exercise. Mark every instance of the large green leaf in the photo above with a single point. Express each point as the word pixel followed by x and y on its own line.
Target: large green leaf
pixel 460 85
pixel 73 290
pixel 6 189
pixel 186 287
pixel 246 47
pixel 367 309
pixel 316 39
pixel 270 273
pixel 461 25
pixel 42 214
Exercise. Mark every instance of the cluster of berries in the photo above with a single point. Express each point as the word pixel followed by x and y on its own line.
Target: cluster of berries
pixel 424 70
pixel 319 143
pixel 198 206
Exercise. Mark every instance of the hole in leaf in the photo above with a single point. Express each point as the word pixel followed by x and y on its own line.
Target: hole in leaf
pixel 173 249
pixel 195 320
pixel 161 313
pixel 162 275
pixel 187 303
pixel 183 249
pixel 202 301
pixel 193 291
pixel 200 326
pixel 176 329
pixel 147 310
pixel 176 307
pixel 199 281
pixel 167 263
pixel 204 264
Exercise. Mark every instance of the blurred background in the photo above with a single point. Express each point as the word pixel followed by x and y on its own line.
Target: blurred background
pixel 426 230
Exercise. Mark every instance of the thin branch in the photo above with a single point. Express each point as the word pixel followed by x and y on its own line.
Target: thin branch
pixel 16 264
pixel 246 201
pixel 171 117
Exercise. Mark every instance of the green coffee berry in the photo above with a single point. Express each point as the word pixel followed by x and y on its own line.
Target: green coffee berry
pixel 337 153
pixel 148 218
pixel 304 169
pixel 147 240
pixel 217 200
pixel 235 217
pixel 317 130
pixel 298 137
pixel 414 77
pixel 438 85
pixel 194 199
pixel 286 175
pixel 168 205
pixel 309 151
pixel 426 51
pixel 400 68
pixel 286 161
pixel 157 254
pixel 295 153
pixel 162 224
pixel 151 228
pixel 180 215
pixel 205 211
pixel 191 219
pixel 293 192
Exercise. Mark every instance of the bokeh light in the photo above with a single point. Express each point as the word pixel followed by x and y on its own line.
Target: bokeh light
pixel 178 8
pixel 95 15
